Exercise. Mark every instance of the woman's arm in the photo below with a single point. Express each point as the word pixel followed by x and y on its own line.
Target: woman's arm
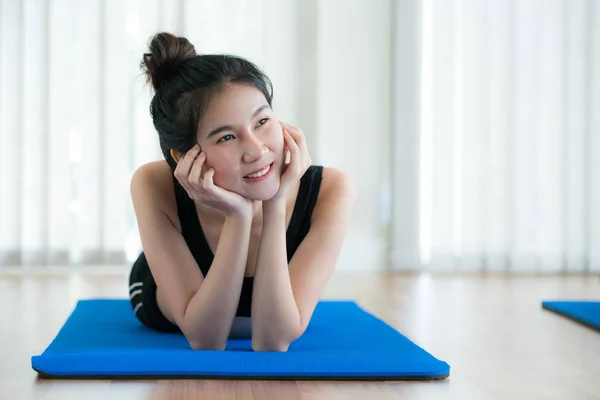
pixel 284 296
pixel 202 307
pixel 210 312
pixel 275 315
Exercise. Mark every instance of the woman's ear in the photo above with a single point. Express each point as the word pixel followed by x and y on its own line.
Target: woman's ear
pixel 176 155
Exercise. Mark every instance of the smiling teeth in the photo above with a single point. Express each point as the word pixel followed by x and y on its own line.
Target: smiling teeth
pixel 261 173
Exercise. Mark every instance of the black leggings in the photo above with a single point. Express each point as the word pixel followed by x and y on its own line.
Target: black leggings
pixel 142 295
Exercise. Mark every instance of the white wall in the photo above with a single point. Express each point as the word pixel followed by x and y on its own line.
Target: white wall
pixel 353 129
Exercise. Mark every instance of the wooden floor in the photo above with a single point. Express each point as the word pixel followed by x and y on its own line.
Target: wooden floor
pixel 492 331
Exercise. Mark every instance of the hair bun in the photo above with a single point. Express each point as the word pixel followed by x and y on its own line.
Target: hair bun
pixel 167 52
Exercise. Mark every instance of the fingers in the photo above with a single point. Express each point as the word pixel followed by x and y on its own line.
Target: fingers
pixel 207 181
pixel 295 156
pixel 297 136
pixel 188 171
pixel 295 132
pixel 195 175
pixel 296 144
pixel 291 144
pixel 185 163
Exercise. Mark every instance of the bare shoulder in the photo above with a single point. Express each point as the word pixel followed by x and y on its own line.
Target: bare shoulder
pixel 152 187
pixel 336 183
pixel 337 191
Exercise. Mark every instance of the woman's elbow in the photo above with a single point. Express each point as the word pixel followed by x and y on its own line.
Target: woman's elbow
pixel 206 345
pixel 279 346
pixel 274 344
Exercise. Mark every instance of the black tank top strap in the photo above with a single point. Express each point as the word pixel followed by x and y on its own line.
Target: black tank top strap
pixel 183 210
pixel 308 194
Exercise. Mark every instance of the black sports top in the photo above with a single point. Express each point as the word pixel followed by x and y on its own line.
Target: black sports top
pixel 299 225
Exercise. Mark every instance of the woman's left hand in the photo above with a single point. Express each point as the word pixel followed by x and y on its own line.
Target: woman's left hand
pixel 299 159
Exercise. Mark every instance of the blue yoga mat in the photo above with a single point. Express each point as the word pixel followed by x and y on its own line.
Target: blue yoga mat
pixel 584 312
pixel 101 339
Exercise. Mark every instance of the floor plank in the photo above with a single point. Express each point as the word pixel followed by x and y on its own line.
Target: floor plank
pixel 490 329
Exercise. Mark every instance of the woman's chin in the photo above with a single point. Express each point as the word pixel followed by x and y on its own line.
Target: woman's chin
pixel 264 194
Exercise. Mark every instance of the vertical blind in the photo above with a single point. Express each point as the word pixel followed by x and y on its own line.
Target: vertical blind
pixel 508 137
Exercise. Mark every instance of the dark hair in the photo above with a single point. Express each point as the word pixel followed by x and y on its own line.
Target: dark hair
pixel 184 81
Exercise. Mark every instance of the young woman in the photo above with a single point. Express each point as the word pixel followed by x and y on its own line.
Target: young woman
pixel 240 233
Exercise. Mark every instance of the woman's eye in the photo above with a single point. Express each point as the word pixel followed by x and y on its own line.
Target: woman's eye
pixel 225 138
pixel 263 121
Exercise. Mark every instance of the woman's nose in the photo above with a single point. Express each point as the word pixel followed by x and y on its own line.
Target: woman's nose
pixel 254 150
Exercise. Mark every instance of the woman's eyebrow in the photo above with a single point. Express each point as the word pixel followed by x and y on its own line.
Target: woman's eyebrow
pixel 259 109
pixel 219 130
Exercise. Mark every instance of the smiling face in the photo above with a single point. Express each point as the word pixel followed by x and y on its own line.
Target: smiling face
pixel 243 142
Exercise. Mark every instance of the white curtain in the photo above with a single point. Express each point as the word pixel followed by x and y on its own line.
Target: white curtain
pixel 74 120
pixel 506 136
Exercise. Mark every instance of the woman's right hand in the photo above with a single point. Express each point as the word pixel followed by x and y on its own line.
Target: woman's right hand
pixel 202 188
